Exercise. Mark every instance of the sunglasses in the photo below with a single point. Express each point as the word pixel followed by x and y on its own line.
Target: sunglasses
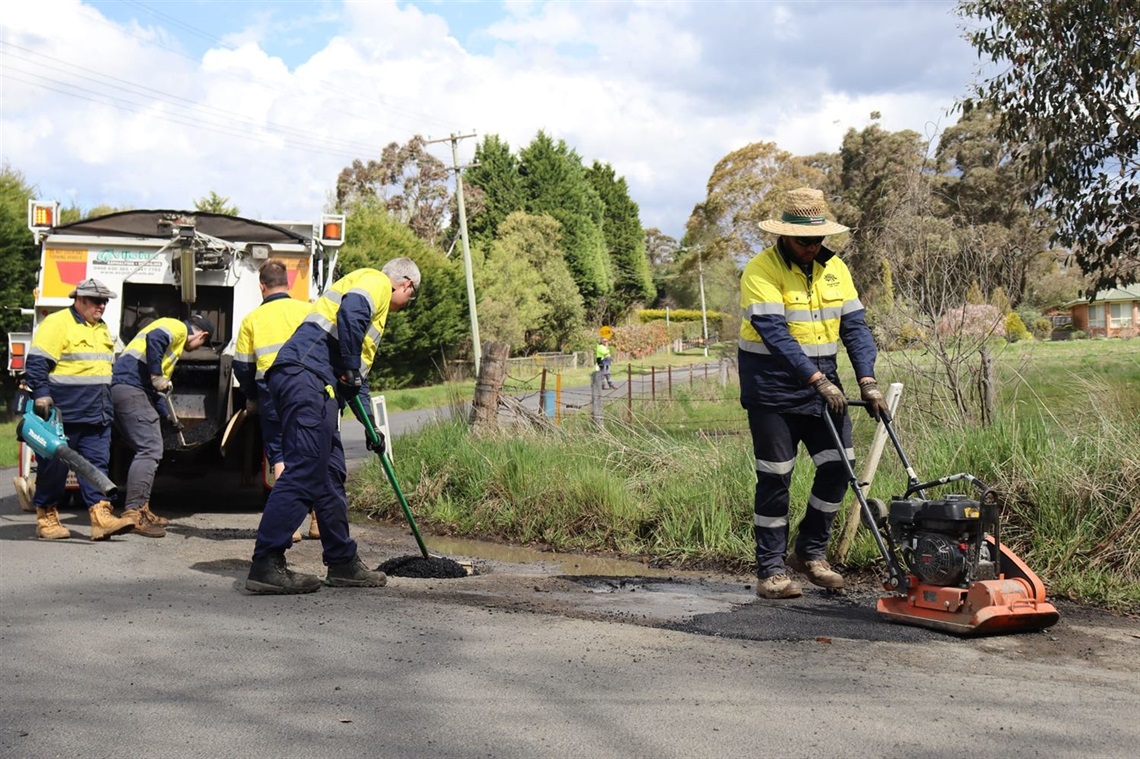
pixel 808 242
pixel 97 301
pixel 415 291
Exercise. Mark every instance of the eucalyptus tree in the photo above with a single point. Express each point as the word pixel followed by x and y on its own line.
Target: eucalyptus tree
pixel 1067 84
pixel 410 183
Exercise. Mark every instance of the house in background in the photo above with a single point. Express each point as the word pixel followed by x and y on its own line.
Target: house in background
pixel 1111 313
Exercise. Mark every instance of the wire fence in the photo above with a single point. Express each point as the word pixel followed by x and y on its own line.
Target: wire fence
pixel 701 398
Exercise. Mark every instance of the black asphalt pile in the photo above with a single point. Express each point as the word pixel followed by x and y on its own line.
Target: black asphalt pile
pixel 417 566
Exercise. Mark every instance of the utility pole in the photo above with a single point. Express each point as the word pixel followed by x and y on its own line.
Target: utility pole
pixel 454 139
pixel 704 313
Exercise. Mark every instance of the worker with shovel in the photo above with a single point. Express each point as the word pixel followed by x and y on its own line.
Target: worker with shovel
pixel 318 370
pixel 139 388
pixel 69 370
pixel 798 303
pixel 261 335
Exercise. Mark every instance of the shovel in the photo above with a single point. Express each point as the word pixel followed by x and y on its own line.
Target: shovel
pixel 424 565
pixel 174 415
pixel 373 439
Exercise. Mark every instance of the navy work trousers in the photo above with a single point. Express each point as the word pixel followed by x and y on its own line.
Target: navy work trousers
pixel 270 427
pixel 92 442
pixel 775 438
pixel 315 468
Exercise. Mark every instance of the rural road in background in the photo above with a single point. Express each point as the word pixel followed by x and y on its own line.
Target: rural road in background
pixel 142 647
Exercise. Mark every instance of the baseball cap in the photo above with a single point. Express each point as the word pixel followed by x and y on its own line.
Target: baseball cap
pixel 201 323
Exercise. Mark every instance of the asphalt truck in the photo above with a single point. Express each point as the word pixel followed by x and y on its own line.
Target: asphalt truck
pixel 169 263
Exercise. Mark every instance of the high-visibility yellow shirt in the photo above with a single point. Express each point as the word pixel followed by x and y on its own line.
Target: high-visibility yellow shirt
pixel 264 331
pixel 791 326
pixel 155 350
pixel 70 361
pixel 342 332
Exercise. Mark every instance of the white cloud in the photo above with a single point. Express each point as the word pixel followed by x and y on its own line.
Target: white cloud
pixel 660 90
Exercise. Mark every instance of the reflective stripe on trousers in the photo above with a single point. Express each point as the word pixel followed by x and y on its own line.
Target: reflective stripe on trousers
pixel 775 439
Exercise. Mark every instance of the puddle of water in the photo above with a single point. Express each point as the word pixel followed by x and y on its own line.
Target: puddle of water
pixel 565 563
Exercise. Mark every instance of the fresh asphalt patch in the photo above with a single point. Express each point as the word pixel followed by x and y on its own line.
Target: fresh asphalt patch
pixel 731 610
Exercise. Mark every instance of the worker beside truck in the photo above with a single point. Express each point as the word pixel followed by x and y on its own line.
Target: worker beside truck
pixel 139 390
pixel 318 370
pixel 69 371
pixel 260 337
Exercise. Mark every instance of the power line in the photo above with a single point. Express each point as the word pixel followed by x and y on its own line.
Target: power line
pixel 330 87
pixel 177 100
pixel 104 99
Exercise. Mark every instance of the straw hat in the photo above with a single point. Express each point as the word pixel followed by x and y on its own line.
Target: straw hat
pixel 803 216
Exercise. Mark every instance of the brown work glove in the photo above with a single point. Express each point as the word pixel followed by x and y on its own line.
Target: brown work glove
pixel 873 397
pixel 830 392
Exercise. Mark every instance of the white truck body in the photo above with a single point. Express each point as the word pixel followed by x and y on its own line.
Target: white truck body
pixel 172 264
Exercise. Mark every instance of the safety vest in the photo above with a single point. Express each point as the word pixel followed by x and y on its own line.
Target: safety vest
pixel 316 343
pixel 265 330
pixel 70 361
pixel 134 367
pixel 601 352
pixel 805 315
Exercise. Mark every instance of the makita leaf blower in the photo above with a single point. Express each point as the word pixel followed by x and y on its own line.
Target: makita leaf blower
pixel 46 438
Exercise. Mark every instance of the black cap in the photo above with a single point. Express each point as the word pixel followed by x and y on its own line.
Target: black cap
pixel 201 323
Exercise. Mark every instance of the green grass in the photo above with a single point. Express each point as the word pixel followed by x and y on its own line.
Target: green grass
pixel 675 483
pixel 9 448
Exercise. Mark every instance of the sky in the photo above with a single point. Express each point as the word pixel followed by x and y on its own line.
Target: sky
pixel 148 104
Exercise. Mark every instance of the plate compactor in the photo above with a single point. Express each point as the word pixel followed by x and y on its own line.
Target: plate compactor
pixel 958 576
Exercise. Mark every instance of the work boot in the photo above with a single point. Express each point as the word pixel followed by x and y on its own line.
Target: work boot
pixel 48 526
pixel 104 523
pixel 314 531
pixel 270 574
pixel 143 524
pixel 817 570
pixel 778 586
pixel 152 517
pixel 297 535
pixel 353 574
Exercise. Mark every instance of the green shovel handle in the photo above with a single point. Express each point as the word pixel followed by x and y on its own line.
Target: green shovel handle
pixel 357 407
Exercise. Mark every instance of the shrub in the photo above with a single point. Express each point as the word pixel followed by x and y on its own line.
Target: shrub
pixel 647 315
pixel 974 321
pixel 1080 334
pixel 1042 328
pixel 1015 330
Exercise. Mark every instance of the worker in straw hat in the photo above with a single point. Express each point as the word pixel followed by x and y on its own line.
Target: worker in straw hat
pixel 798 304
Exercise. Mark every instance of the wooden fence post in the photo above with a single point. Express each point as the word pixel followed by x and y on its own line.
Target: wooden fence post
pixel 488 386
pixel 542 393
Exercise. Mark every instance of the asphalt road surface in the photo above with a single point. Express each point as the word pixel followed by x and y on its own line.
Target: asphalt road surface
pixel 137 647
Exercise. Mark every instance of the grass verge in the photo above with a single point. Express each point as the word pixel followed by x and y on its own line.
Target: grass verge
pixel 675 484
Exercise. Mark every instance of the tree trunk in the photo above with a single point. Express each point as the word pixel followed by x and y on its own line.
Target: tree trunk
pixel 492 372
